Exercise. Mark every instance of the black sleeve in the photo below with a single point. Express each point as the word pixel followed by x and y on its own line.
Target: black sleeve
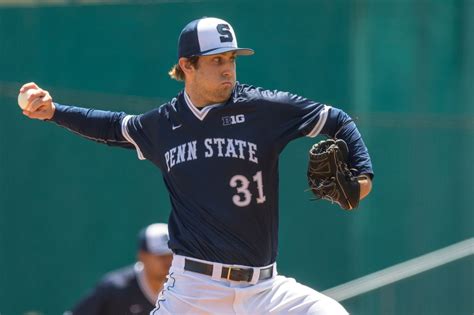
pixel 341 123
pixel 97 125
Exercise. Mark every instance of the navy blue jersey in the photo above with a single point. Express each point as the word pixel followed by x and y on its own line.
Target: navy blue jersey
pixel 220 163
pixel 121 292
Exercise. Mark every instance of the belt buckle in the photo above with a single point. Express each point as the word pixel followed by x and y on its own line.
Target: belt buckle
pixel 229 270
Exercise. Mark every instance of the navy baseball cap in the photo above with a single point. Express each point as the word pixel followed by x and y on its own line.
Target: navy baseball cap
pixel 154 239
pixel 208 36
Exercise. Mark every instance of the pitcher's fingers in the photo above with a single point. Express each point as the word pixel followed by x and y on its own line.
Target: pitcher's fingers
pixel 34 98
pixel 34 105
pixel 27 86
pixel 32 115
pixel 38 93
pixel 47 97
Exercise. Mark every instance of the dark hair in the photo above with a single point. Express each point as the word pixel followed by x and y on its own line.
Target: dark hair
pixel 177 73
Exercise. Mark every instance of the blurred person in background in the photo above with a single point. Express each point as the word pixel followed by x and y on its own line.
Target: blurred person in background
pixel 132 289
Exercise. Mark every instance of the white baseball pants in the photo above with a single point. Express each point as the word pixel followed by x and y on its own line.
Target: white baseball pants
pixel 187 292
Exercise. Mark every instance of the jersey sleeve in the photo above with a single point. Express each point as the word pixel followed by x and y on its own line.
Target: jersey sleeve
pixel 96 125
pixel 111 128
pixel 141 132
pixel 339 124
pixel 295 116
pixel 298 116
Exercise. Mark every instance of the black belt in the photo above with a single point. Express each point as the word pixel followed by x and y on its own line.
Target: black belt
pixel 229 273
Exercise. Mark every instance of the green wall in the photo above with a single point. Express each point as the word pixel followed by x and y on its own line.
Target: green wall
pixel 70 209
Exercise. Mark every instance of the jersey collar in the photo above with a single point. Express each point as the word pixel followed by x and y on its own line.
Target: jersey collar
pixel 199 113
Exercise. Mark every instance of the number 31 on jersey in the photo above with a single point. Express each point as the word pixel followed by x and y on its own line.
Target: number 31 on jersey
pixel 244 196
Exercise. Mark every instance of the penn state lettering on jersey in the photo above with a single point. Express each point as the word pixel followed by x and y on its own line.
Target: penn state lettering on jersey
pixel 231 214
pixel 220 147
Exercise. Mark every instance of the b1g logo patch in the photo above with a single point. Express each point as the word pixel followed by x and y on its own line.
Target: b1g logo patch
pixel 233 120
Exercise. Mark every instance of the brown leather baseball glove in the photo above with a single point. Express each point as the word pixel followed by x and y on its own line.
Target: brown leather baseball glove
pixel 329 175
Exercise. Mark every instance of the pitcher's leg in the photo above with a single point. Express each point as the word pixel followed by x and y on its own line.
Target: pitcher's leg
pixel 286 296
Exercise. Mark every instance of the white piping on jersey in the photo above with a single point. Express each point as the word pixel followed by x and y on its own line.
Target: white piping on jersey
pixel 127 136
pixel 200 114
pixel 144 287
pixel 323 116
